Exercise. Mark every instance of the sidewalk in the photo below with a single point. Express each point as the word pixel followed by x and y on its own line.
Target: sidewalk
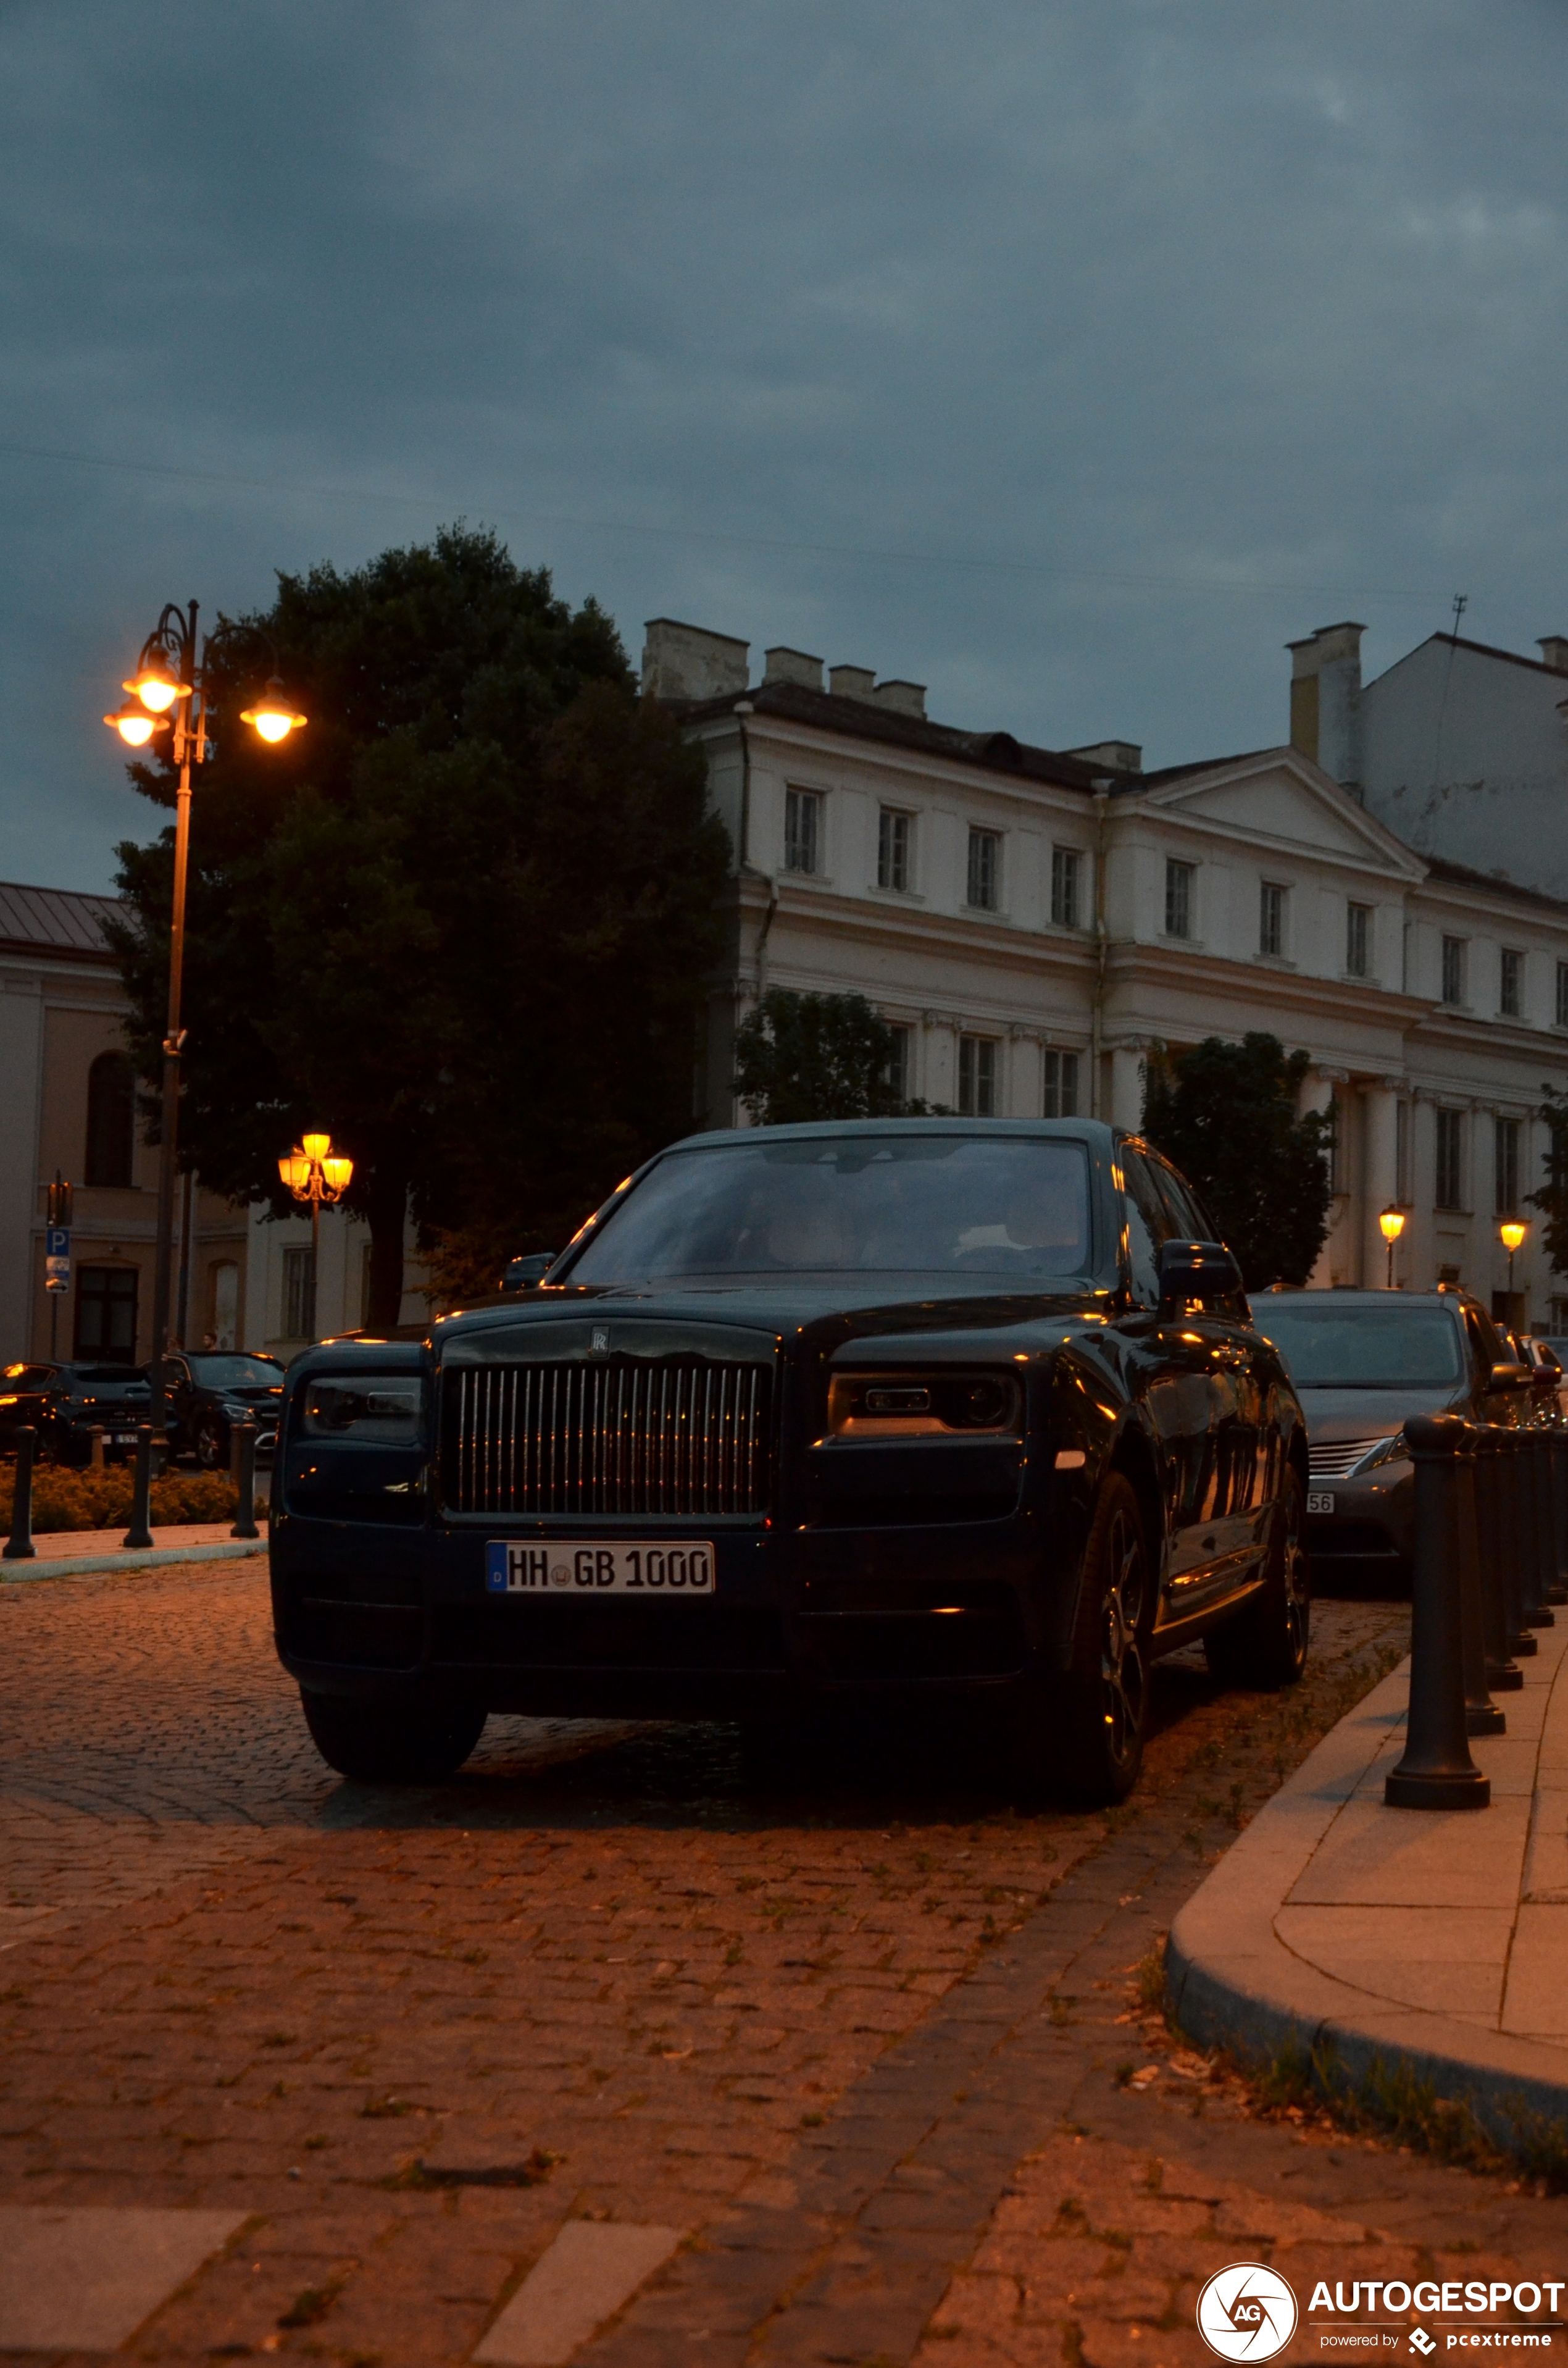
pixel 1438 1937
pixel 71 1554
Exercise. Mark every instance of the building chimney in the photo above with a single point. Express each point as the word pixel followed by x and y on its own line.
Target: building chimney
pixel 1554 648
pixel 686 662
pixel 792 666
pixel 1116 756
pixel 1325 700
pixel 904 698
pixel 852 682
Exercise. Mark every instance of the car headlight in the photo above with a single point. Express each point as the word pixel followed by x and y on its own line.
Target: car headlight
pixel 923 1406
pixel 372 1409
pixel 237 1413
pixel 1387 1450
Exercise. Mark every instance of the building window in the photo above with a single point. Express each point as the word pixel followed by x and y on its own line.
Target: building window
pixel 1178 899
pixel 106 1312
pixel 1271 918
pixel 111 1119
pixel 892 849
pixel 1358 940
pixel 299 1295
pixel 1453 970
pixel 985 870
pixel 226 1305
pixel 899 1062
pixel 1061 1085
pixel 977 1077
pixel 1066 886
pixel 802 830
pixel 1450 1159
pixel 1510 983
pixel 1506 1199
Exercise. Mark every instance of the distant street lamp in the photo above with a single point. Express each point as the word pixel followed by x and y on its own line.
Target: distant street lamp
pixel 171 674
pixel 1393 1225
pixel 315 1172
pixel 1513 1231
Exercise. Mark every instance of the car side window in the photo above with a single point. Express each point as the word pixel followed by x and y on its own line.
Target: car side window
pixel 176 1369
pixel 1147 1226
pixel 1484 1340
pixel 1187 1220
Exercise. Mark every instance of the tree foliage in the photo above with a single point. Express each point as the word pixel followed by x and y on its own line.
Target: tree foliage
pixel 814 1056
pixel 463 921
pixel 1551 1199
pixel 1226 1114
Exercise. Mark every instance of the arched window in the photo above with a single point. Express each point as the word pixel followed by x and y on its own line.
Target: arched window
pixel 111 1119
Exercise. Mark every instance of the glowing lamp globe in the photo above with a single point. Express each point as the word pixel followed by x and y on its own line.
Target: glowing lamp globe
pixel 156 685
pixel 1392 1224
pixel 337 1172
pixel 315 1146
pixel 272 716
pixel 134 724
pixel 1513 1234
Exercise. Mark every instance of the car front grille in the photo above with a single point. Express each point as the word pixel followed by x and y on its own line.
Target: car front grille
pixel 1333 1459
pixel 681 1437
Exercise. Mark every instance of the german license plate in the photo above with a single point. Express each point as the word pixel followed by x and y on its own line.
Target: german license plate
pixel 1320 1500
pixel 123 1439
pixel 590 1568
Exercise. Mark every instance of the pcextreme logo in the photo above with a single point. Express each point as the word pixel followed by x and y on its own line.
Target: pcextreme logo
pixel 1246 2312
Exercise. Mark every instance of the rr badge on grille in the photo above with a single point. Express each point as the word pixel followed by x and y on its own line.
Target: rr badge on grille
pixel 601 1340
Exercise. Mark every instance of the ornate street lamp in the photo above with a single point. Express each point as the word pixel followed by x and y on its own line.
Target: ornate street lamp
pixel 171 674
pixel 1393 1225
pixel 315 1172
pixel 1511 1232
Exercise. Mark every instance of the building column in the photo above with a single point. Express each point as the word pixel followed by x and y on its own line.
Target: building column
pixel 1317 1097
pixel 1380 1177
pixel 1127 1086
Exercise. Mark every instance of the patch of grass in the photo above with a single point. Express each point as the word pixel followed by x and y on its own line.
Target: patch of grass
pixel 1394 2101
pixel 1149 1975
pixel 310 2306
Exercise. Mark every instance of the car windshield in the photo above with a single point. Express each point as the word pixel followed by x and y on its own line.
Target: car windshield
pixel 102 1377
pixel 964 1205
pixel 1362 1347
pixel 236 1372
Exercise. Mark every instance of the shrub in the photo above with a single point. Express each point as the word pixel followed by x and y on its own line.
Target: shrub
pixel 100 1500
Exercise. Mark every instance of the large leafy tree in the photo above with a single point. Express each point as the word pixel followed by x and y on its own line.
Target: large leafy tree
pixel 814 1056
pixel 1226 1114
pixel 1551 1199
pixel 463 920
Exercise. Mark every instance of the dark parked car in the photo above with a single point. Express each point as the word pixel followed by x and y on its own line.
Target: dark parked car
pixel 1363 1361
pixel 211 1391
pixel 911 1409
pixel 66 1403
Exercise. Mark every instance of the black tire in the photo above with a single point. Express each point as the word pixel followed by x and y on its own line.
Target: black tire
pixel 391 1743
pixel 211 1444
pixel 1084 1738
pixel 1265 1646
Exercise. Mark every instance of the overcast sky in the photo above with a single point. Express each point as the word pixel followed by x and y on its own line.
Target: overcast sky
pixel 1068 358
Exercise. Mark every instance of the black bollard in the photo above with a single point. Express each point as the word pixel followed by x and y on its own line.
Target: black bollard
pixel 139 1534
pixel 1544 1561
pixel 1482 1715
pixel 1510 1541
pixel 95 1446
pixel 245 1439
pixel 19 1546
pixel 1504 1674
pixel 1558 1437
pixel 1536 1614
pixel 1436 1770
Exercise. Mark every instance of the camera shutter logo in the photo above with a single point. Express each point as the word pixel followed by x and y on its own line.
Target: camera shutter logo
pixel 1246 2312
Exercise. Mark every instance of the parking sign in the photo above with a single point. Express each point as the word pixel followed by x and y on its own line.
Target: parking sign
pixel 57 1258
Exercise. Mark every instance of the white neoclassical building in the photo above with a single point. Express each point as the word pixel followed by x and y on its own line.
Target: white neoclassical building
pixel 1032 922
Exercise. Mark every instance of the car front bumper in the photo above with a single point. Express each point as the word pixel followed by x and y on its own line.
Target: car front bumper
pixel 1370 1530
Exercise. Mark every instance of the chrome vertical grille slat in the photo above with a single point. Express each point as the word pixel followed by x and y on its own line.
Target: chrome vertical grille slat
pixel 682 1438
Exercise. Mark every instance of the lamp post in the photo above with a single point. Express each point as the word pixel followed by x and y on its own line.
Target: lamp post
pixel 171 674
pixel 315 1172
pixel 1511 1232
pixel 1392 1223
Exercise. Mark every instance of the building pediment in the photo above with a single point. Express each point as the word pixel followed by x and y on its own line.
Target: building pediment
pixel 1279 798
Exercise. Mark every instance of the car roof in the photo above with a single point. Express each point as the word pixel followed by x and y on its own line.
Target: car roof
pixel 1387 1300
pixel 1072 1130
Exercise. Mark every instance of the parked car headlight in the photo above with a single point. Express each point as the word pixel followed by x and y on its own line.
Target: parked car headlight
pixel 923 1406
pixel 374 1409
pixel 1387 1450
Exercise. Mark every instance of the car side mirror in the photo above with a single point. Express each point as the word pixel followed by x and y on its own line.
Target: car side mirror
pixel 1196 1270
pixel 527 1274
pixel 1509 1376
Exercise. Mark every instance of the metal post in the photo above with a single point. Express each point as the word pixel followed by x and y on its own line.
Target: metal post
pixel 189 727
pixel 1541 1562
pixel 1558 1440
pixel 19 1546
pixel 1436 1770
pixel 139 1534
pixel 95 1446
pixel 1521 1644
pixel 244 1518
pixel 1503 1674
pixel 1482 1715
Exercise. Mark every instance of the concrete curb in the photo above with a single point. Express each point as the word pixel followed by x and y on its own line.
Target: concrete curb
pixel 1232 1983
pixel 149 1558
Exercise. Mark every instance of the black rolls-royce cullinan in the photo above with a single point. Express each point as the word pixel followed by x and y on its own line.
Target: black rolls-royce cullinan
pixel 911 1408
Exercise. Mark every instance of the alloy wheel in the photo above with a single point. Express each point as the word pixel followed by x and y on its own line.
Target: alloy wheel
pixel 1124 1674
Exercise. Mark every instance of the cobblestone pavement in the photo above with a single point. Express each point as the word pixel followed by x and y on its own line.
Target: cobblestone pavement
pixel 859 2037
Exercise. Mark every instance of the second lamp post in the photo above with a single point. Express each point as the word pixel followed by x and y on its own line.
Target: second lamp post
pixel 315 1172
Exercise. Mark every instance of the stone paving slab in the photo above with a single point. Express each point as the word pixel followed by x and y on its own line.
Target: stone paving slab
pixel 84 2279
pixel 75 1553
pixel 1395 1932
